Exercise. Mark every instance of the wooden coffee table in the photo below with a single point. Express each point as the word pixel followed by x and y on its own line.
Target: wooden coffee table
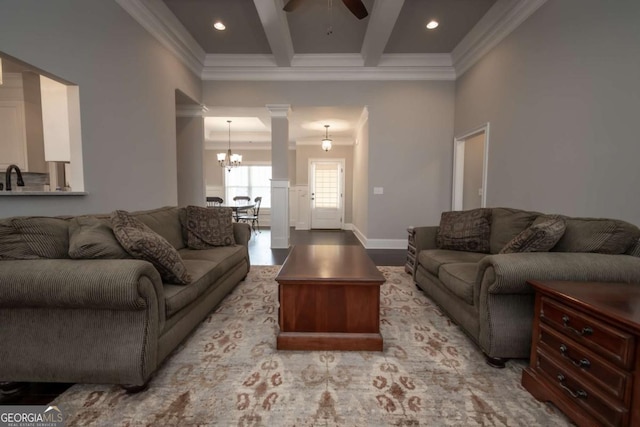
pixel 329 299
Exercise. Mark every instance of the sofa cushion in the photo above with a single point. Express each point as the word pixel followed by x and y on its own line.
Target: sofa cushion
pixel 432 259
pixel 465 230
pixel 225 257
pixel 143 243
pixel 634 250
pixel 507 223
pixel 165 222
pixel 46 237
pixel 203 274
pixel 459 278
pixel 537 238
pixel 12 245
pixel 93 238
pixel 605 236
pixel 208 227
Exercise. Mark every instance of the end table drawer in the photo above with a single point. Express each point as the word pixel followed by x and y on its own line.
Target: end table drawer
pixel 612 344
pixel 584 363
pixel 608 412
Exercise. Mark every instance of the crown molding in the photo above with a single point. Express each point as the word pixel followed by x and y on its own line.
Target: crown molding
pixel 498 22
pixel 184 110
pixel 504 17
pixel 279 110
pixel 156 18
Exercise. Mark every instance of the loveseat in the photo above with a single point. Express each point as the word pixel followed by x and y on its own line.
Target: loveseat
pixel 485 291
pixel 76 307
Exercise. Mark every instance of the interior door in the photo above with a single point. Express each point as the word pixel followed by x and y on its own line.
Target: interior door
pixel 327 189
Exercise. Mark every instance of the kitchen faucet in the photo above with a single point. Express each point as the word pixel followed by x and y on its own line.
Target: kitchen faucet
pixel 19 183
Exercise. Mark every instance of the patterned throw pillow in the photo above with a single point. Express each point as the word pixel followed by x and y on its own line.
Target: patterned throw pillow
pixel 537 238
pixel 208 227
pixel 143 243
pixel 465 230
pixel 93 238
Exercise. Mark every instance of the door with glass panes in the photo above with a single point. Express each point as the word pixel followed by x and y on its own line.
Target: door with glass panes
pixel 326 182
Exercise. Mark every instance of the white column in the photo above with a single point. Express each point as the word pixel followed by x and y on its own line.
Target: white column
pixel 279 175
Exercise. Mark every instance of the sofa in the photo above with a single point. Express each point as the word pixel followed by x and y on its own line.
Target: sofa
pixel 75 307
pixel 483 286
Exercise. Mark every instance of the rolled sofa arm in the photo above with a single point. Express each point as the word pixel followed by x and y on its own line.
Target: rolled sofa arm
pixel 425 237
pixel 122 284
pixel 241 233
pixel 508 273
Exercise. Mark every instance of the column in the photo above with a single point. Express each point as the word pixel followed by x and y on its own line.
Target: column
pixel 279 175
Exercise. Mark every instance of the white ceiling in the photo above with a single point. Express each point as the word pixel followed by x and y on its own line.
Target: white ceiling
pixel 262 42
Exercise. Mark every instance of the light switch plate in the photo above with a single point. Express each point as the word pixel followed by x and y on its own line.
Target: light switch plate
pixel 378 190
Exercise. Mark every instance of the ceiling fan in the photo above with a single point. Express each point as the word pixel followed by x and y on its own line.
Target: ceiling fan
pixel 355 6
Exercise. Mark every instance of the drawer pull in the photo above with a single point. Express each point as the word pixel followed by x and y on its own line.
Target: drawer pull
pixel 582 363
pixel 584 332
pixel 580 394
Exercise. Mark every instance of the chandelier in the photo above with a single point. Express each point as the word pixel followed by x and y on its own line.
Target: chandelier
pixel 326 142
pixel 229 160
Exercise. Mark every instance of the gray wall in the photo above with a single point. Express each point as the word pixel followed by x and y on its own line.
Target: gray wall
pixel 410 140
pixel 190 160
pixel 127 86
pixel 561 94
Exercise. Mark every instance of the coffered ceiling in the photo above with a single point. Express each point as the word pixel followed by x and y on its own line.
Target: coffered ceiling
pixel 263 42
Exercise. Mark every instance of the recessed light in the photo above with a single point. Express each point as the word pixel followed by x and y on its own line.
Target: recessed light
pixel 219 26
pixel 432 25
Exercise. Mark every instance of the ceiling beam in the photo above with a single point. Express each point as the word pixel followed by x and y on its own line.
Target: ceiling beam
pixel 381 22
pixel 274 22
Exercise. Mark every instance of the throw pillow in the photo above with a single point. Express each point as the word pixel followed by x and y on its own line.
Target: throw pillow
pixel 46 237
pixel 537 238
pixel 12 245
pixel 465 230
pixel 208 227
pixel 143 243
pixel 93 238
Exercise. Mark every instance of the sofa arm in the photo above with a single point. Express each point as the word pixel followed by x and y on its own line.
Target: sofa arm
pixel 123 284
pixel 425 238
pixel 241 233
pixel 508 273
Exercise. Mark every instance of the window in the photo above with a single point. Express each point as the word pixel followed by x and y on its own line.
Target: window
pixel 252 181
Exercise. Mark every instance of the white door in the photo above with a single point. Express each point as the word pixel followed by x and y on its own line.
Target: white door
pixel 326 178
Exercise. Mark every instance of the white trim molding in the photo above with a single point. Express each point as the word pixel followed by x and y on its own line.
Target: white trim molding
pixel 378 243
pixel 280 214
pixel 503 17
pixel 458 165
pixel 158 19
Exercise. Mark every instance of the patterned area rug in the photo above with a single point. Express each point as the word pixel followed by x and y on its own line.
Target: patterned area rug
pixel 228 373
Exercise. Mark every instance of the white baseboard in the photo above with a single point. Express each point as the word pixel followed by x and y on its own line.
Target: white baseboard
pixel 379 243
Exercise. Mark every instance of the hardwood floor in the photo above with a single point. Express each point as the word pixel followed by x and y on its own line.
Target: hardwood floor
pixel 260 253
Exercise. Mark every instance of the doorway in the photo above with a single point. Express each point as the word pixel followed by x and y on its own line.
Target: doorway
pixel 470 162
pixel 326 184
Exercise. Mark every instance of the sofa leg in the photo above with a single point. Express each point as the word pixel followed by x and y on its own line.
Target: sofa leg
pixel 132 389
pixel 496 362
pixel 8 388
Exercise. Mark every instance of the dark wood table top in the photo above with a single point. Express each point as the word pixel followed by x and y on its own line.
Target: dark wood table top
pixel 329 263
pixel 620 301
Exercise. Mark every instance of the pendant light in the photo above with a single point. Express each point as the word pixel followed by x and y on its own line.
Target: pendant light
pixel 229 160
pixel 326 142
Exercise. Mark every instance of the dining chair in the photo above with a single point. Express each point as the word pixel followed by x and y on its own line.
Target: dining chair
pixel 241 200
pixel 253 215
pixel 214 201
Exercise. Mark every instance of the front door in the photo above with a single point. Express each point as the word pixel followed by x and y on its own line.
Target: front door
pixel 326 178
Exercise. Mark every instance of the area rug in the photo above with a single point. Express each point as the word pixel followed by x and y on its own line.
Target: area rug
pixel 229 373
